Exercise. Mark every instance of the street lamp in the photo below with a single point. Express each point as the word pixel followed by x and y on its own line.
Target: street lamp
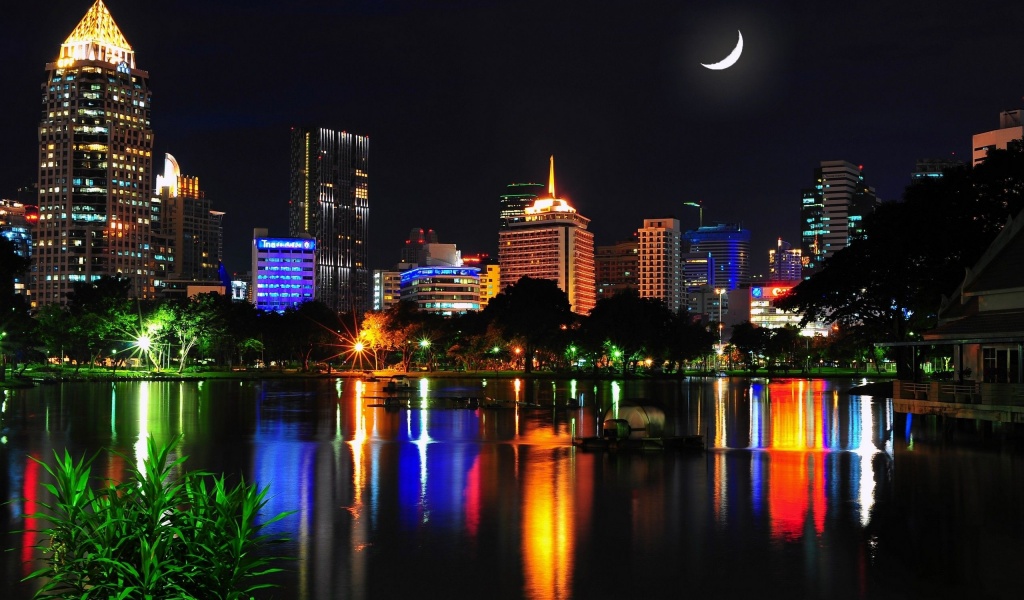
pixel 720 292
pixel 700 206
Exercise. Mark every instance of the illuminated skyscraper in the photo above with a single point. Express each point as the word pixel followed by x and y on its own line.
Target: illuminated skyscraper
pixel 784 262
pixel 1011 130
pixel 661 262
pixel 95 159
pixel 329 200
pixel 551 242
pixel 833 212
pixel 515 200
pixel 617 266
pixel 188 220
pixel 728 246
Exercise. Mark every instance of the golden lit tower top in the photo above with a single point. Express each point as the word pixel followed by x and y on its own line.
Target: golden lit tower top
pixel 551 178
pixel 97 37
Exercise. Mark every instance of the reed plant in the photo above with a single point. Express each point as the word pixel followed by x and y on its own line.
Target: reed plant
pixel 163 533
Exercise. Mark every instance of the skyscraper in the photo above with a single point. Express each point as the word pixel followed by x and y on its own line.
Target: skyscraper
pixel 515 200
pixel 784 262
pixel 661 268
pixel 188 220
pixel 95 159
pixel 329 200
pixel 833 211
pixel 728 247
pixel 617 266
pixel 551 242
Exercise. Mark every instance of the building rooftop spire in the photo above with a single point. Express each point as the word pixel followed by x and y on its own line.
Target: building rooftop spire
pixel 551 178
pixel 97 37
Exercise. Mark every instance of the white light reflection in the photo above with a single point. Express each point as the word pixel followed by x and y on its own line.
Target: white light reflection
pixel 141 450
pixel 616 392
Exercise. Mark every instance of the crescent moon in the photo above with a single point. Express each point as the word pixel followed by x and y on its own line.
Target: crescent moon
pixel 730 60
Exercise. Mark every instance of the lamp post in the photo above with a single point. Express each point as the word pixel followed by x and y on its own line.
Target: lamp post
pixel 720 292
pixel 699 205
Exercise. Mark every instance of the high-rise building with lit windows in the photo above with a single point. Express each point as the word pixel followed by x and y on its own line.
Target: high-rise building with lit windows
pixel 616 266
pixel 515 200
pixel 661 262
pixel 184 214
pixel 95 159
pixel 551 242
pixel 832 212
pixel 329 200
pixel 784 262
pixel 728 246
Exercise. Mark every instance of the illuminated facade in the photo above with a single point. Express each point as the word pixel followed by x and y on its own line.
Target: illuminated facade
pixel 728 246
pixel 17 221
pixel 386 289
pixel 442 290
pixel 784 262
pixel 95 159
pixel 832 212
pixel 490 283
pixel 551 242
pixel 516 199
pixel 329 201
pixel 617 267
pixel 1011 129
pixel 283 271
pixel 187 219
pixel 661 262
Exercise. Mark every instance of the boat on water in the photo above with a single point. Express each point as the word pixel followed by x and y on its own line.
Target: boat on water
pixel 398 384
pixel 637 426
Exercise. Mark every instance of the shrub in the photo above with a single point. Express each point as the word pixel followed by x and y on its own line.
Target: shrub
pixel 153 536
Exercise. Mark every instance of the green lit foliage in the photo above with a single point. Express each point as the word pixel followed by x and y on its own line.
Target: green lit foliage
pixel 193 322
pixel 533 310
pixel 156 535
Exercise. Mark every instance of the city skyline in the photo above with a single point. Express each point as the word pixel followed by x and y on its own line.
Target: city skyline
pixel 463 100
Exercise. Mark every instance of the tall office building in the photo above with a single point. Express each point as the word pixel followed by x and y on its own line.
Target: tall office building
pixel 931 169
pixel 832 212
pixel 728 246
pixel 416 246
pixel 661 262
pixel 1011 130
pixel 186 217
pixel 617 267
pixel 95 159
pixel 515 200
pixel 17 221
pixel 551 242
pixel 784 262
pixel 329 201
pixel 283 271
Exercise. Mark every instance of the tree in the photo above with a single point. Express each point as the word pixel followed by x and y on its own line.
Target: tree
pixel 887 285
pixel 533 310
pixel 632 325
pixel 190 321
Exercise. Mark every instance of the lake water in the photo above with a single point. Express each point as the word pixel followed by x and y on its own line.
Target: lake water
pixel 804 491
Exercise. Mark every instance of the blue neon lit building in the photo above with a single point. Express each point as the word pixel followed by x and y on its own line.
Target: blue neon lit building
pixel 442 290
pixel 728 246
pixel 283 271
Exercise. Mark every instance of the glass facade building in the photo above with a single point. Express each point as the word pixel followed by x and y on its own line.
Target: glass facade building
pixel 832 212
pixel 329 201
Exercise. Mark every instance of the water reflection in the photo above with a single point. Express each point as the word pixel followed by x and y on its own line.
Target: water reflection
pixel 391 503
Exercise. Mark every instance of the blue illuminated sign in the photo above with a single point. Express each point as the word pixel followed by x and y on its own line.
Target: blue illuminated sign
pixel 440 272
pixel 285 244
pixel 756 292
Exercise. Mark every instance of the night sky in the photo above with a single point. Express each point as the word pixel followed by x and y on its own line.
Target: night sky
pixel 461 97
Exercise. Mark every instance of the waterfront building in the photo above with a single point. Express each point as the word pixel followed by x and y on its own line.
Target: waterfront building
pixel 329 201
pixel 729 248
pixel 17 221
pixel 551 242
pixel 1010 131
pixel 661 262
pixel 515 200
pixel 186 217
pixel 784 262
pixel 95 164
pixel 617 267
pixel 833 211
pixel 283 271
pixel 442 290
pixel 386 289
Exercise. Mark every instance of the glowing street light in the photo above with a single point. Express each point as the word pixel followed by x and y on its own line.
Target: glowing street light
pixel 700 206
pixel 143 342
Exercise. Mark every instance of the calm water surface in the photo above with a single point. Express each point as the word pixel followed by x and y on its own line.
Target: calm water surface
pixel 804 492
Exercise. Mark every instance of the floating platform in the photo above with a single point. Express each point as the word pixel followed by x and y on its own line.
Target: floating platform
pixel 443 402
pixel 641 444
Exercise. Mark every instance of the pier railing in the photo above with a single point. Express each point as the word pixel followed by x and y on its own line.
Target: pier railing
pixel 991 401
